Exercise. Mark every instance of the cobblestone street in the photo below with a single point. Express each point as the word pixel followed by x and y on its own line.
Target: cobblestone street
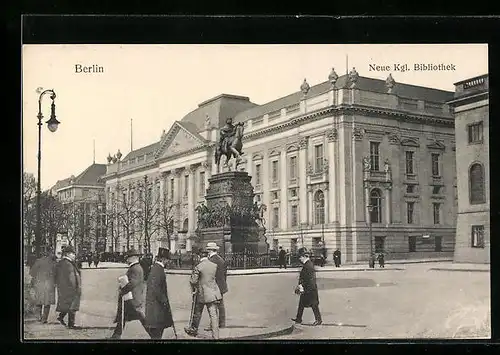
pixel 413 301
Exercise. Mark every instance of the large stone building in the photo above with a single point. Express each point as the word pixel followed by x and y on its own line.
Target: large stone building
pixel 318 157
pixel 85 210
pixel 471 105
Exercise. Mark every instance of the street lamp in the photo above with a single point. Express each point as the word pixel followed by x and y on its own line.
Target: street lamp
pixel 52 125
pixel 370 209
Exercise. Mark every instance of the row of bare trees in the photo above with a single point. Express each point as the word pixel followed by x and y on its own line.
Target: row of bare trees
pixel 135 217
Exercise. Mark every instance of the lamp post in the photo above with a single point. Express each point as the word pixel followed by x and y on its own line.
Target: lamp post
pixel 52 125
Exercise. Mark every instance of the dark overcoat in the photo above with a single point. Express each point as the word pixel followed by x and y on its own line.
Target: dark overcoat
pixel 221 273
pixel 307 279
pixel 69 286
pixel 282 256
pixel 134 308
pixel 43 273
pixel 158 311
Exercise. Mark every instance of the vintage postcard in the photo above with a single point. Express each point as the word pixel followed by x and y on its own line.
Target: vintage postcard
pixel 269 192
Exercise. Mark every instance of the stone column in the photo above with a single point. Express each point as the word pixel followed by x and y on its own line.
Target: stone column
pixel 266 186
pixel 310 205
pixel 283 191
pixel 358 208
pixel 303 180
pixel 388 206
pixel 332 176
pixel 191 205
pixel 250 168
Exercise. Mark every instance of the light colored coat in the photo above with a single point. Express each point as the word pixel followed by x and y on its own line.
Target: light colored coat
pixel 43 273
pixel 203 279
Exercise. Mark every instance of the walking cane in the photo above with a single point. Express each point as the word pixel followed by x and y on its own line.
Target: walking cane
pixel 192 309
pixel 122 320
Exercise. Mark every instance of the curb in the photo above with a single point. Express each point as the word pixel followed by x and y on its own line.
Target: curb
pixel 278 332
pixel 288 271
pixel 463 270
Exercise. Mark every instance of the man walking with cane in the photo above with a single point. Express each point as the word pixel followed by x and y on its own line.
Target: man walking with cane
pixel 158 312
pixel 206 293
pixel 131 295
pixel 220 279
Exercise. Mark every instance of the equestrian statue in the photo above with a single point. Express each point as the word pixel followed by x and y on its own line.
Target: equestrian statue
pixel 230 143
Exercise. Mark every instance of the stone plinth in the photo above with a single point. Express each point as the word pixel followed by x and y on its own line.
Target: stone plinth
pixel 231 221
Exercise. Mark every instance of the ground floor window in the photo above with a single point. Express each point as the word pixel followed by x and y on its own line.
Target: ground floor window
pixel 293 245
pixel 412 243
pixel 438 243
pixel 379 244
pixel 477 237
pixel 275 244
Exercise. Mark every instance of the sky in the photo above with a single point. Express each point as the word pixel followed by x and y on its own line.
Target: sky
pixel 155 85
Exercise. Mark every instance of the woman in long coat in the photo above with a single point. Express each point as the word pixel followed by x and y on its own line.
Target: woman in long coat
pixel 43 273
pixel 69 289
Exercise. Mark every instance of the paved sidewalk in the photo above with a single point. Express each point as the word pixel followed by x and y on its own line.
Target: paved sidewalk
pixel 464 267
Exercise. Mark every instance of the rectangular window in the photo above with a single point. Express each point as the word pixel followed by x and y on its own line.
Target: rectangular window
pixel 172 187
pixel 274 170
pixel 276 217
pixel 410 189
pixel 436 190
pixel 409 162
pixel 85 192
pixel 438 241
pixel 412 243
pixel 186 185
pixel 292 167
pixel 318 157
pixel 379 244
pixel 274 195
pixel 409 212
pixel 435 164
pixel 374 156
pixel 294 215
pixel 293 192
pixel 293 245
pixel 477 237
pixel 202 183
pixel 257 174
pixel 275 244
pixel 475 132
pixel 436 208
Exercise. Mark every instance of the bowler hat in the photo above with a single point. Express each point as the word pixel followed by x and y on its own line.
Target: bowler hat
pixel 133 252
pixel 68 249
pixel 303 252
pixel 163 253
pixel 212 246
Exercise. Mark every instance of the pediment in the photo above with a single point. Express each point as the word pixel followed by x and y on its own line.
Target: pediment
pixel 257 156
pixel 292 147
pixel 436 145
pixel 409 142
pixel 178 140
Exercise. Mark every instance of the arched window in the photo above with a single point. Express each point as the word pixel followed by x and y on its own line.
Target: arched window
pixel 185 225
pixel 476 184
pixel 319 207
pixel 376 203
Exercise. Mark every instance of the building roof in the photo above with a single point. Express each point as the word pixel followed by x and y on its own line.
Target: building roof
pixel 363 83
pixel 91 175
pixel 218 108
pixel 151 148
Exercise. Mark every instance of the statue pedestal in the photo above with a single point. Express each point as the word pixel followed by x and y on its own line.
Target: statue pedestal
pixel 232 192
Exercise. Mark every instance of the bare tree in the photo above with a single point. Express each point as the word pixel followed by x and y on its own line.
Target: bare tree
pixel 127 213
pixel 164 223
pixel 149 209
pixel 52 218
pixel 29 210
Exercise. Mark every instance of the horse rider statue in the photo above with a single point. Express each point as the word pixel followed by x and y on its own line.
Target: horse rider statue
pixel 230 143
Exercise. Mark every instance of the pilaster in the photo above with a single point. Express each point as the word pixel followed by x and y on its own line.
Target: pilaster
pixel 303 180
pixel 283 190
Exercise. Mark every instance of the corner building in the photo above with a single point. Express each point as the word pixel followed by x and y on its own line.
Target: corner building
pixel 471 107
pixel 307 154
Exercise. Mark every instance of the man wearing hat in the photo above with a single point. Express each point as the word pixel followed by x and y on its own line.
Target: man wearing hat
pixel 158 312
pixel 307 288
pixel 69 287
pixel 206 293
pixel 220 279
pixel 134 307
pixel 43 273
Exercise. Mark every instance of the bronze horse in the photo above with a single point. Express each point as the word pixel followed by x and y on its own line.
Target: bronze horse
pixel 235 145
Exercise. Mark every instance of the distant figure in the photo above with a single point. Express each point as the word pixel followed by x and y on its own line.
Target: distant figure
pixel 324 255
pixel 337 255
pixel 381 261
pixel 158 311
pixel 89 259
pixel 282 258
pixel 43 273
pixel 96 259
pixel 69 287
pixel 372 261
pixel 288 261
pixel 308 289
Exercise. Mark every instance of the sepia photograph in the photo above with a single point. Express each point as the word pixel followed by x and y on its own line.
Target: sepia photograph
pixel 187 192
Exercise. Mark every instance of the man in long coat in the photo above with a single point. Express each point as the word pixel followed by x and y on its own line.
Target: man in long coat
pixel 43 273
pixel 69 287
pixel 206 293
pixel 133 308
pixel 309 295
pixel 220 279
pixel 158 311
pixel 282 258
